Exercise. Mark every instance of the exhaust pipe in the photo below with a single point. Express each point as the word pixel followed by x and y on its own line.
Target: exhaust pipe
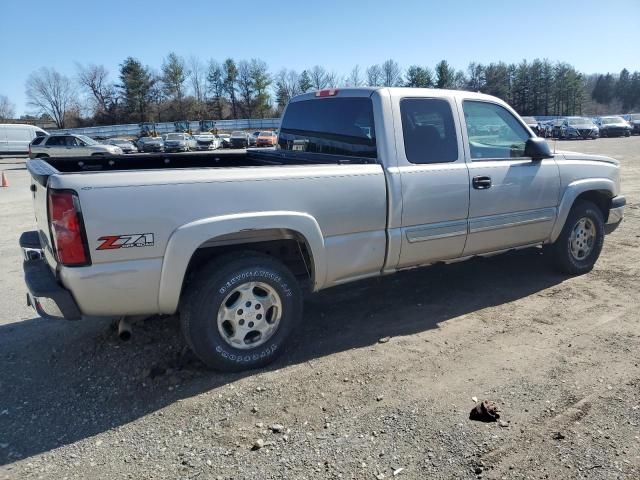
pixel 124 329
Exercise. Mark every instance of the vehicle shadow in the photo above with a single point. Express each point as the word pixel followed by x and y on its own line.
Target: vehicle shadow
pixel 62 382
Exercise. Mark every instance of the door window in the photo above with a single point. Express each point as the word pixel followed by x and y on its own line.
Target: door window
pixel 494 133
pixel 55 141
pixel 429 130
pixel 72 142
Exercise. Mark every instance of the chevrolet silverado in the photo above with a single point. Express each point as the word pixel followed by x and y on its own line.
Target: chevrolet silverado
pixel 363 182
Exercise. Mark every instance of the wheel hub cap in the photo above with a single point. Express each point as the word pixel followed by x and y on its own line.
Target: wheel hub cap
pixel 249 315
pixel 582 238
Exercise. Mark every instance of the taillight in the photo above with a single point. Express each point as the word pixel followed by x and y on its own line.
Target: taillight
pixel 67 228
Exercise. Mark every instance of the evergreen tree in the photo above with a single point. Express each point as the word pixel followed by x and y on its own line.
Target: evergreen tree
pixel 136 83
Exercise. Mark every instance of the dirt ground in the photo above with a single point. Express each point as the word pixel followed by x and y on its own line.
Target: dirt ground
pixel 559 355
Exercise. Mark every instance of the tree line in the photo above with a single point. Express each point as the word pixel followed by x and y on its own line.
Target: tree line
pixel 190 89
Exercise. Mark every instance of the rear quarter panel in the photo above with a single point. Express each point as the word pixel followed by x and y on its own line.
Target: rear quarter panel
pixel 347 201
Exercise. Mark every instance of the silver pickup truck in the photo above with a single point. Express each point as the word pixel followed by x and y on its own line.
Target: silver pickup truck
pixel 363 182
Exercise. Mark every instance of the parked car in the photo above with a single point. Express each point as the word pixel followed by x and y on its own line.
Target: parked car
pixel 532 123
pixel 633 119
pixel 232 247
pixel 267 139
pixel 225 140
pixel 15 138
pixel 614 126
pixel 68 145
pixel 150 144
pixel 553 127
pixel 206 141
pixel 579 127
pixel 179 142
pixel 127 146
pixel 253 138
pixel 239 139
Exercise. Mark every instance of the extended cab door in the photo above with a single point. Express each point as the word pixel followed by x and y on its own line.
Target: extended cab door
pixel 434 179
pixel 513 199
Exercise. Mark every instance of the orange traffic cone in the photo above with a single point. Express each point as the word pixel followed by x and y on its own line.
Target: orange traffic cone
pixel 5 182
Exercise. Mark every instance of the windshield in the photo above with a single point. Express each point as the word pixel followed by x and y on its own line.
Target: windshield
pixel 529 120
pixel 238 134
pixel 265 134
pixel 175 136
pixel 87 140
pixel 612 120
pixel 580 121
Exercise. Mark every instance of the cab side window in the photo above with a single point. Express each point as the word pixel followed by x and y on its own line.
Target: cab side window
pixel 494 133
pixel 429 130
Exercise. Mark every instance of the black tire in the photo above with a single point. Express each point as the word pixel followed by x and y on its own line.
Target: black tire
pixel 562 256
pixel 212 285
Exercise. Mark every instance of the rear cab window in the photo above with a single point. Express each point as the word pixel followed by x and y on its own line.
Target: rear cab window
pixel 334 126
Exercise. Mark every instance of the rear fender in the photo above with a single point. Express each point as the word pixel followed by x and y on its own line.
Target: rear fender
pixel 185 240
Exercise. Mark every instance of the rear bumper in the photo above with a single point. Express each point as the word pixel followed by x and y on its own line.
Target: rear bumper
pixel 49 299
pixel 616 213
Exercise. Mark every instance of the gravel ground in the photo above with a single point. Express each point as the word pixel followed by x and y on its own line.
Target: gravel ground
pixel 380 384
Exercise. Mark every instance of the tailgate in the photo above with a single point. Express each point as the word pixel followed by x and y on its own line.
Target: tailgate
pixel 40 172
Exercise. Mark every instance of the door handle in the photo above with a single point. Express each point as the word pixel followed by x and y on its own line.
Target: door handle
pixel 481 183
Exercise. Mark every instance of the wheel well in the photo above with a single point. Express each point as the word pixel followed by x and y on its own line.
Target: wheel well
pixel 601 198
pixel 287 246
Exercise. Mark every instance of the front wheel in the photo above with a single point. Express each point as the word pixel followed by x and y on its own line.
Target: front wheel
pixel 578 247
pixel 239 312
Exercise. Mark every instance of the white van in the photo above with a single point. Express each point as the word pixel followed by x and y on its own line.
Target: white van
pixel 15 138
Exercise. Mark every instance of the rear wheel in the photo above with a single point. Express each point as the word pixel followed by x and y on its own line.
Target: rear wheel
pixel 579 245
pixel 240 311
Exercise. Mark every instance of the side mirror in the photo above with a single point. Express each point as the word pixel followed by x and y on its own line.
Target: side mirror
pixel 537 148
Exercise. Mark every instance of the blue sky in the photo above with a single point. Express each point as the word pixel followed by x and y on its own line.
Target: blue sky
pixel 592 35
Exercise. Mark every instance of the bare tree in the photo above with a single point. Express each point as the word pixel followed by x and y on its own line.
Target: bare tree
pixel 391 74
pixel 333 80
pixel 374 76
pixel 287 84
pixel 94 80
pixel 355 77
pixel 319 77
pixel 7 109
pixel 198 78
pixel 52 93
pixel 198 83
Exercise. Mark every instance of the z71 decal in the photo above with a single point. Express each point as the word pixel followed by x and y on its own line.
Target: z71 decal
pixel 111 242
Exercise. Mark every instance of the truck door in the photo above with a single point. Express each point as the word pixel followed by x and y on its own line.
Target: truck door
pixel 513 199
pixel 434 179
